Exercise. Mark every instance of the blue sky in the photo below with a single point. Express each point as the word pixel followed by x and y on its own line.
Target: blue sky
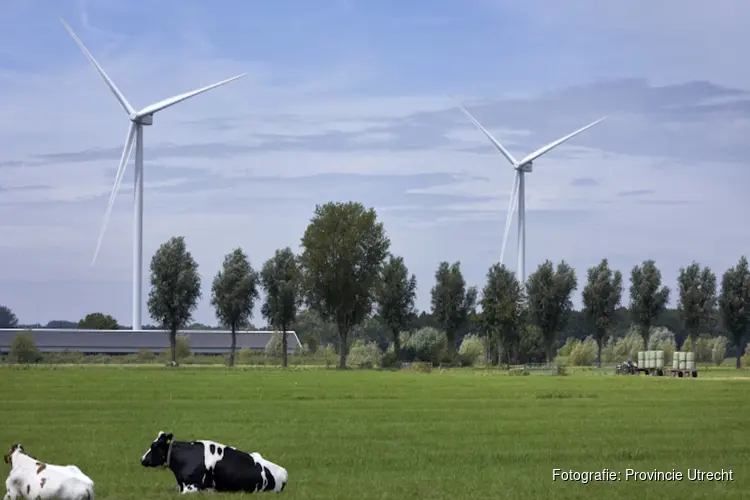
pixel 346 100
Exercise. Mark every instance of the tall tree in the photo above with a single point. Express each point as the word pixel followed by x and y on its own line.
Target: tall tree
pixel 734 304
pixel 175 288
pixel 452 302
pixel 648 299
pixel 281 281
pixel 344 248
pixel 7 318
pixel 548 292
pixel 697 301
pixel 233 294
pixel 395 297
pixel 98 321
pixel 502 310
pixel 601 298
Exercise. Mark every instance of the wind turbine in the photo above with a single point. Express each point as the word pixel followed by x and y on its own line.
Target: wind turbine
pixel 138 119
pixel 521 167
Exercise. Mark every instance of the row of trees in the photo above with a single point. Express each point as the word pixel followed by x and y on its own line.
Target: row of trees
pixel 345 274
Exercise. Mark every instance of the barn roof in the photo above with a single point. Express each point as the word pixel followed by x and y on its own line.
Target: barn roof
pixel 129 341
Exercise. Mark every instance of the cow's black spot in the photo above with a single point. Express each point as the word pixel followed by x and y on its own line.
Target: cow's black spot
pixel 212 448
pixel 271 481
pixel 220 451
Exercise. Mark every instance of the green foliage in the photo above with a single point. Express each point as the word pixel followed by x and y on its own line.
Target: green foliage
pixel 281 281
pixel 344 247
pixel 648 298
pixel 312 329
pixel 233 294
pixel 98 321
pixel 628 346
pixel 549 291
pixel 567 348
pixel 734 303
pixel 395 296
pixel 471 350
pixel 452 303
pixel 175 288
pixel 531 345
pixel 23 349
pixel 601 298
pixel 502 309
pixel 364 354
pixel 427 344
pixel 707 349
pixel 697 298
pixel 7 318
pixel 584 353
pixel 663 339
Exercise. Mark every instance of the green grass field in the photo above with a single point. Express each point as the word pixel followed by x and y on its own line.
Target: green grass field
pixel 388 435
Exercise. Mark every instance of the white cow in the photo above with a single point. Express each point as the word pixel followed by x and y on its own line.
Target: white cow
pixel 31 479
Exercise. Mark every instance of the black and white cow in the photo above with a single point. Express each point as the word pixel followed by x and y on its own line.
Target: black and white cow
pixel 208 465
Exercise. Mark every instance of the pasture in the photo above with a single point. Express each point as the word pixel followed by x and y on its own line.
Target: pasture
pixel 359 434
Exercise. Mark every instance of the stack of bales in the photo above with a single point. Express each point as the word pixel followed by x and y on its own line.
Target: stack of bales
pixel 684 361
pixel 651 360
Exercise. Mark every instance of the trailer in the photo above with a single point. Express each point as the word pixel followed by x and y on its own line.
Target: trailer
pixel 652 363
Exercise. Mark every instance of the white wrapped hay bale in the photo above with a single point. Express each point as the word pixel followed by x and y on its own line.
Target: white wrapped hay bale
pixel 660 360
pixel 683 361
pixel 690 361
pixel 641 359
pixel 676 360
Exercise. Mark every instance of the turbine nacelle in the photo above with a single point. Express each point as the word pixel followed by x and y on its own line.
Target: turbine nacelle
pixel 526 167
pixel 142 120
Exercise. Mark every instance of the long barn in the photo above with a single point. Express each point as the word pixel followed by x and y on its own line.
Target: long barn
pixel 129 341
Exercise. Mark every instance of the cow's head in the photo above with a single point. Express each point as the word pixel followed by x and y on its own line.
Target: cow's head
pixel 158 454
pixel 13 448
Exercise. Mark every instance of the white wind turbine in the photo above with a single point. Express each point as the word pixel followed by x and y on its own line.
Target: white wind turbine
pixel 138 119
pixel 521 167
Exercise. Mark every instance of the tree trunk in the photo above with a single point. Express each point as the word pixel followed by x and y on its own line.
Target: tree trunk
pixel 234 346
pixel 173 345
pixel 739 358
pixel 397 344
pixel 284 347
pixel 599 352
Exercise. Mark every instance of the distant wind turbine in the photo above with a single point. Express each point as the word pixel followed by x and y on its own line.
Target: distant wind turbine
pixel 521 167
pixel 138 120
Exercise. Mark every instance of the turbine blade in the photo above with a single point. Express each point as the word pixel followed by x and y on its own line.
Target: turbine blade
pixel 171 101
pixel 494 141
pixel 539 152
pixel 129 141
pixel 511 211
pixel 121 98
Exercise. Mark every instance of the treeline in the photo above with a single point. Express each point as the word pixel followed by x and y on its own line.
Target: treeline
pixel 345 284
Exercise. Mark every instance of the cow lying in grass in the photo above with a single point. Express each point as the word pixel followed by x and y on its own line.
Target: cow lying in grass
pixel 207 465
pixel 31 479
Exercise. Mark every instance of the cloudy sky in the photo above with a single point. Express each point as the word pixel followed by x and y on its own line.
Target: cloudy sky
pixel 346 100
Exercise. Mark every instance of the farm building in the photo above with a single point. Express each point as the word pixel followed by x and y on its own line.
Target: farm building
pixel 128 341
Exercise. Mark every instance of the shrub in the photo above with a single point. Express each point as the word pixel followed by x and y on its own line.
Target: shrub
pixel 719 350
pixel 23 349
pixel 567 348
pixel 427 344
pixel 275 347
pixel 583 353
pixel 703 348
pixel 662 339
pixel 471 350
pixel 628 346
pixel 144 356
pixel 746 358
pixel 363 354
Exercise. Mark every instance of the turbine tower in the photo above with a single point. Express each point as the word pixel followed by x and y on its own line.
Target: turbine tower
pixel 521 167
pixel 138 119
